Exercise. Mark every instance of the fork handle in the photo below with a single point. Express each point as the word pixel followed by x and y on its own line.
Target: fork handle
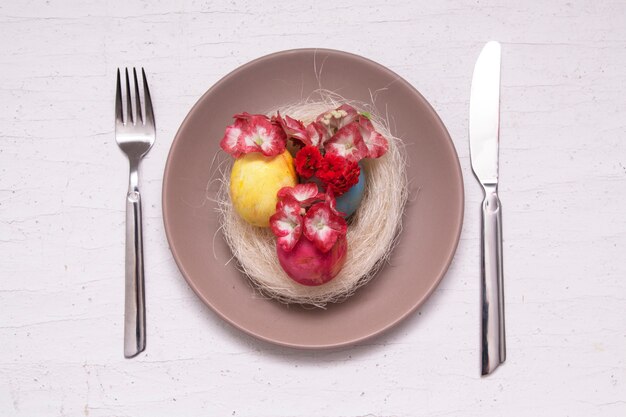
pixel 134 312
pixel 492 287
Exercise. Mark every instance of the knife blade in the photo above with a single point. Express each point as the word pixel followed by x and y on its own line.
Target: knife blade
pixel 484 121
pixel 484 127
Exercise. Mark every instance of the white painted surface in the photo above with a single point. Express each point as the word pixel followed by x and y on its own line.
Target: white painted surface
pixel 62 185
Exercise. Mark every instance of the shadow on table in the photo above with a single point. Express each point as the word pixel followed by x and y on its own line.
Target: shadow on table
pixel 371 347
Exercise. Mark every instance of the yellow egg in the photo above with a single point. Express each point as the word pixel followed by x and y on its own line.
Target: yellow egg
pixel 254 181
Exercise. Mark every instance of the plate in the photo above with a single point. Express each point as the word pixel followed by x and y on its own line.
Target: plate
pixel 431 226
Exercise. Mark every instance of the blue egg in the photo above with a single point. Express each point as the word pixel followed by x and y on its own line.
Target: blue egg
pixel 349 202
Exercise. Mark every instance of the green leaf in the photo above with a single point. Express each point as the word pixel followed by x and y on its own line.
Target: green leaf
pixel 367 115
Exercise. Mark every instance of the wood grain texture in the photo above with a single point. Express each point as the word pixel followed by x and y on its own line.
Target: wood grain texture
pixel 63 181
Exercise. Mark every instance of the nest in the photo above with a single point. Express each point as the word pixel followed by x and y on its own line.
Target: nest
pixel 372 230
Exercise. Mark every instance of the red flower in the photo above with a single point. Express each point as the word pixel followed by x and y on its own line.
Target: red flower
pixel 338 172
pixel 308 161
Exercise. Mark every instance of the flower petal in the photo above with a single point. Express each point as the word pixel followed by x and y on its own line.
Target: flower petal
pixel 307 161
pixel 305 194
pixel 317 133
pixel 230 141
pixel 348 143
pixel 376 143
pixel 329 199
pixel 293 128
pixel 262 136
pixel 323 227
pixel 338 172
pixel 286 223
pixel 351 115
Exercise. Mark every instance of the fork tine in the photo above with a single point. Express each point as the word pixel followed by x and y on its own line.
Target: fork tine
pixel 129 107
pixel 146 94
pixel 139 116
pixel 119 118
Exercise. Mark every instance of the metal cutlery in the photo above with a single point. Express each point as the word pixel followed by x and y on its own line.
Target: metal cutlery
pixel 484 126
pixel 135 135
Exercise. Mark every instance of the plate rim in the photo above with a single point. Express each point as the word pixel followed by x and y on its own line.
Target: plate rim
pixel 418 303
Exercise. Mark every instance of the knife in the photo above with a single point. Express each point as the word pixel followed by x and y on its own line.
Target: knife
pixel 484 126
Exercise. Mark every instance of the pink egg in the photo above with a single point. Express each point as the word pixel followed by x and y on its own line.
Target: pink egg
pixel 308 265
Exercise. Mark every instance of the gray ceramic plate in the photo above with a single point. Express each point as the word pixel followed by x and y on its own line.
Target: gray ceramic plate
pixel 432 222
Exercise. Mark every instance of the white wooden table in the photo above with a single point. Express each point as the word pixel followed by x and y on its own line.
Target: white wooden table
pixel 63 181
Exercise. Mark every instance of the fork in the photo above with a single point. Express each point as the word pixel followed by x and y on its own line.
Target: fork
pixel 135 136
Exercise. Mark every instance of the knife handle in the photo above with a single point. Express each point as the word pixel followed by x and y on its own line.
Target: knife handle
pixel 492 287
pixel 134 306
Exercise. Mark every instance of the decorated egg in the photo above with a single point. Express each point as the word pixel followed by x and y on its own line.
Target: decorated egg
pixel 254 181
pixel 351 199
pixel 308 265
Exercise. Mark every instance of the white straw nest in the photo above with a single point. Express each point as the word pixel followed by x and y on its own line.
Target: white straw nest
pixel 372 230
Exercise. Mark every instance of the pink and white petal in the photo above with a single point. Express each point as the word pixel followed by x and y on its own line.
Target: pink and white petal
pixel 289 241
pixel 305 194
pixel 247 143
pixel 317 133
pixel 283 193
pixel 376 143
pixel 348 143
pixel 288 205
pixel 230 141
pixel 286 224
pixel 323 227
pixel 263 136
pixel 276 143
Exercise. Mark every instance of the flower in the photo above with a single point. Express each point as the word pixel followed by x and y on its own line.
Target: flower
pixel 305 194
pixel 341 131
pixel 253 133
pixel 338 172
pixel 303 209
pixel 375 143
pixel 323 227
pixel 348 143
pixel 286 223
pixel 308 161
pixel 262 136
